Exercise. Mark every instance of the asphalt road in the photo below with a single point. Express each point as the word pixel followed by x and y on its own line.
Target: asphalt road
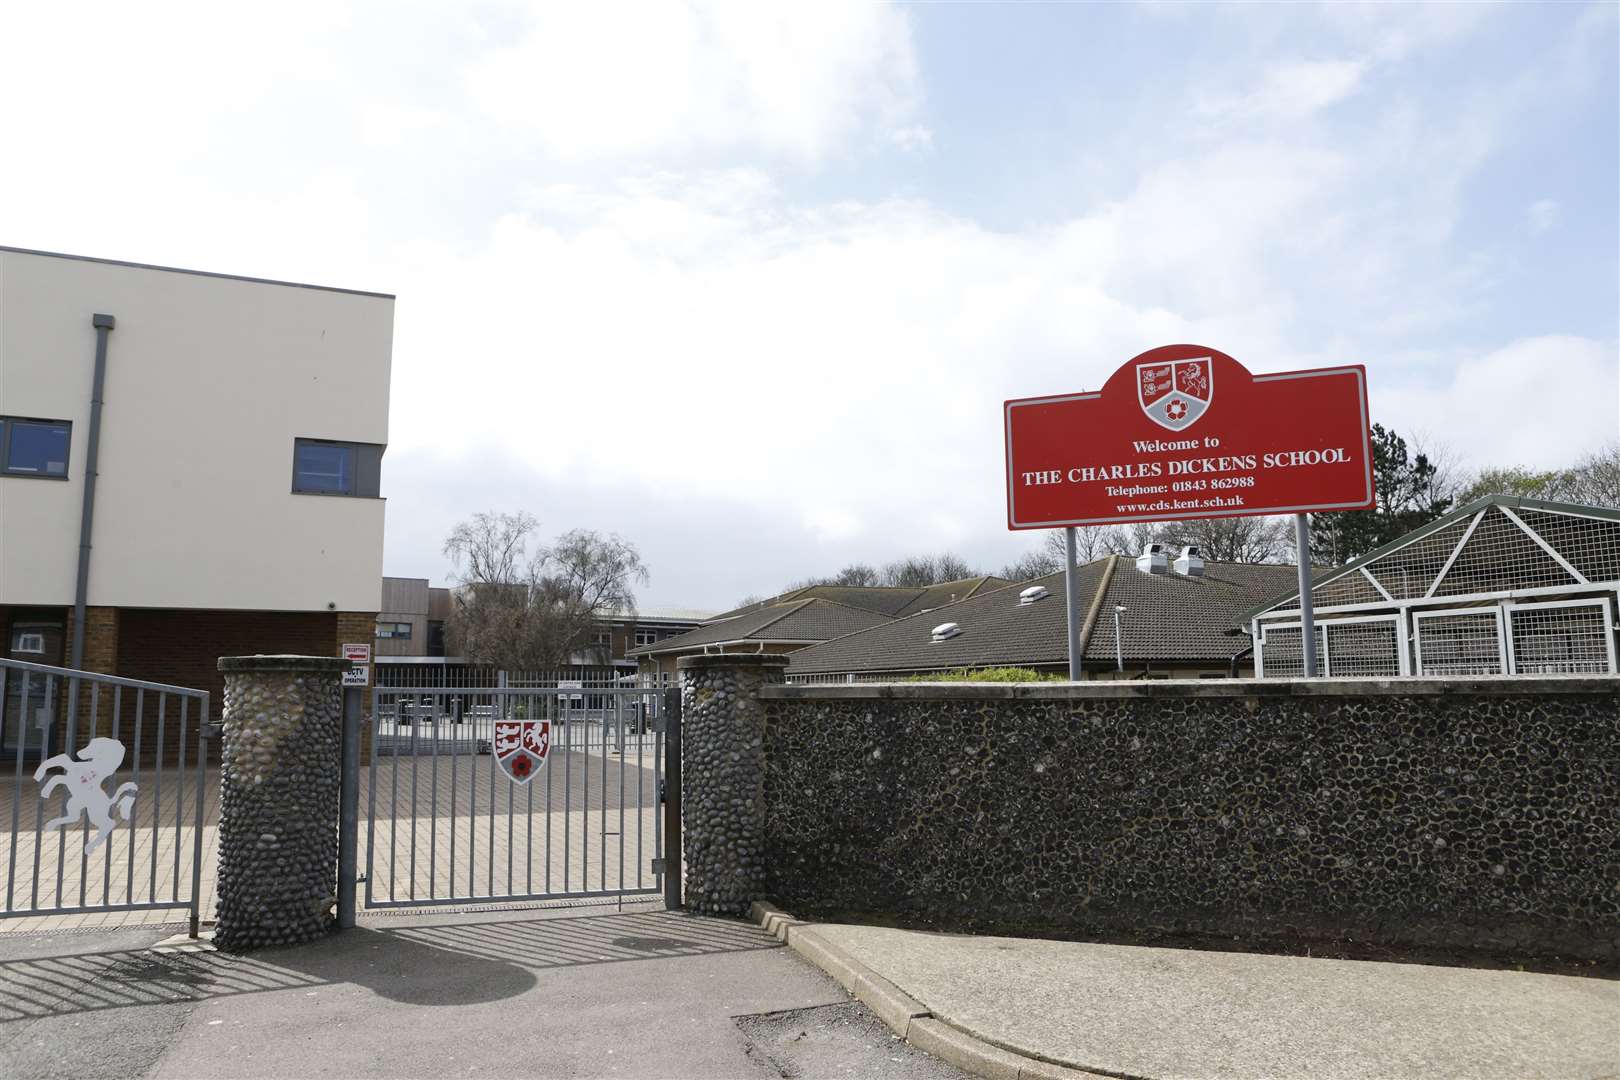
pixel 566 993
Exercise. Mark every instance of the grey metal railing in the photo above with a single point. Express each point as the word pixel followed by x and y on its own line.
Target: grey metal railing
pixel 117 753
pixel 449 821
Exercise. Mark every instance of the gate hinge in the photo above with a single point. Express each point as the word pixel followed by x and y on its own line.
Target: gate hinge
pixel 213 730
pixel 658 866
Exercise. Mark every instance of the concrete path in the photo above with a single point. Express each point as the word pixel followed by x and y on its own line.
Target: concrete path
pixel 1162 1013
pixel 532 993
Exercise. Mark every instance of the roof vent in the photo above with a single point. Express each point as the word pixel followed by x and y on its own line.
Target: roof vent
pixel 1153 560
pixel 1032 594
pixel 946 631
pixel 1189 563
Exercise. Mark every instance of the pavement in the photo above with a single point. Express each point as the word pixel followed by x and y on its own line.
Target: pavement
pixel 566 992
pixel 1130 1011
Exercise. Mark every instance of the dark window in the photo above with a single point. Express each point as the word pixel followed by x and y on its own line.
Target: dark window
pixel 398 630
pixel 646 637
pixel 328 467
pixel 34 447
pixel 435 637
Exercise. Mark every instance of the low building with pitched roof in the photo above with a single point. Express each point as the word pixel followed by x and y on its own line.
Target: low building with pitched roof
pixel 1175 620
pixel 803 617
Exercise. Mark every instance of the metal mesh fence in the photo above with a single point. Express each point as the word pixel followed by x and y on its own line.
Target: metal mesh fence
pixel 1561 639
pixel 1591 545
pixel 1370 649
pixel 1282 650
pixel 1352 588
pixel 1407 572
pixel 1459 642
pixel 1501 556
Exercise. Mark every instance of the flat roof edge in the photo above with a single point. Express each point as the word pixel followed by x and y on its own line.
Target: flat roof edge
pixel 195 273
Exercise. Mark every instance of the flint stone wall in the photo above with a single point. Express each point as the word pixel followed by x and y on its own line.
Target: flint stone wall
pixel 723 779
pixel 1454 814
pixel 282 766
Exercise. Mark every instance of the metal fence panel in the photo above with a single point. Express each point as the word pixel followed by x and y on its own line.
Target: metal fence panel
pixel 1361 648
pixel 129 759
pixel 1280 653
pixel 1460 641
pixel 447 825
pixel 1562 638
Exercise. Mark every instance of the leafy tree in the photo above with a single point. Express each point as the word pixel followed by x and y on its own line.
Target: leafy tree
pixel 1413 488
pixel 1513 480
pixel 518 609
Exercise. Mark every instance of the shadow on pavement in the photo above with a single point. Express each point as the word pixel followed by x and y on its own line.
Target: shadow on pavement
pixel 449 963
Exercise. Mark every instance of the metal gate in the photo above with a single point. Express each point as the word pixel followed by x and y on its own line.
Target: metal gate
pixel 117 770
pixel 480 795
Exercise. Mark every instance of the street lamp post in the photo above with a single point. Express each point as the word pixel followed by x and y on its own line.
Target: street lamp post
pixel 1119 649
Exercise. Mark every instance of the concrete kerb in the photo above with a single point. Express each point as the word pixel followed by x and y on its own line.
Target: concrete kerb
pixel 905 1015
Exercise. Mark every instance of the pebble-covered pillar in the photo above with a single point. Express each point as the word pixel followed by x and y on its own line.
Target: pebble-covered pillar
pixel 278 822
pixel 723 779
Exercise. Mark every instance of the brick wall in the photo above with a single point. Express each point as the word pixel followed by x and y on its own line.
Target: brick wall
pixel 183 647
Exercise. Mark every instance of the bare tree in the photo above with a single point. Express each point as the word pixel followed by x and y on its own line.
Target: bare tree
pixel 917 571
pixel 1240 539
pixel 1036 562
pixel 518 609
pixel 1594 479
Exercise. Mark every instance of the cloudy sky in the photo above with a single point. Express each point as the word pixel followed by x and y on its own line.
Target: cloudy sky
pixel 747 284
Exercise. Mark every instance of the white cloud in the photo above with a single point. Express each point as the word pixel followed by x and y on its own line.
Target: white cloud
pixel 1293 90
pixel 593 80
pixel 1541 215
pixel 611 278
pixel 1540 402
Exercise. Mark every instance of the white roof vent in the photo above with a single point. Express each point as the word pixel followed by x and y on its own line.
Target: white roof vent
pixel 946 631
pixel 1189 563
pixel 1032 594
pixel 1153 560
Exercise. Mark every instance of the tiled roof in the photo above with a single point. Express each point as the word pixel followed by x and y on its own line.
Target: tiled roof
pixel 812 619
pixel 1168 619
pixel 887 600
pixel 949 592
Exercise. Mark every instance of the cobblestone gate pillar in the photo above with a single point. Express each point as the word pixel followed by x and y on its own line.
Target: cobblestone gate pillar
pixel 278 828
pixel 723 778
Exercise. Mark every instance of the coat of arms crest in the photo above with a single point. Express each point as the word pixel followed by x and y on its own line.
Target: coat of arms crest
pixel 521 747
pixel 1175 393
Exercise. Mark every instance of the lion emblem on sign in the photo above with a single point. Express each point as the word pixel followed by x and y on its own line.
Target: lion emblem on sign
pixel 1175 393
pixel 96 763
pixel 521 747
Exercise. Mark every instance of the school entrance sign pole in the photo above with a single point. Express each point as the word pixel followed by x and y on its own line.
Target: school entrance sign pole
pixel 1185 431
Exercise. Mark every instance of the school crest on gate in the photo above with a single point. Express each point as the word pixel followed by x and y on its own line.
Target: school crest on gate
pixel 1175 393
pixel 521 747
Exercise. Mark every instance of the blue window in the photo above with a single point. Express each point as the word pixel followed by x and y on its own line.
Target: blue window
pixel 34 447
pixel 334 467
pixel 323 467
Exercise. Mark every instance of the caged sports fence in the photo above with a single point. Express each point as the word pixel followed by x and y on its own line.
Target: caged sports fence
pixel 1502 586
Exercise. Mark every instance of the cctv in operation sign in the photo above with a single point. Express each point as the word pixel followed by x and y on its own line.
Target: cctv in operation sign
pixel 1185 431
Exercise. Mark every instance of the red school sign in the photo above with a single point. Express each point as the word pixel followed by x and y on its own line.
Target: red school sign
pixel 1185 431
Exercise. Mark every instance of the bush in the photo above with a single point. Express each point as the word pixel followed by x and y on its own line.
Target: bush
pixel 995 674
